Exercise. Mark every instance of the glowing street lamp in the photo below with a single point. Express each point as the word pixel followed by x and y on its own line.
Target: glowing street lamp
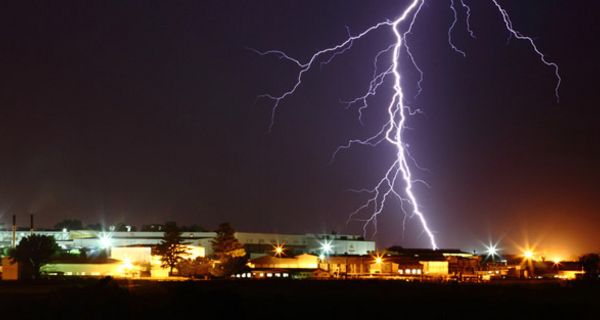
pixel 326 247
pixel 278 249
pixel 528 254
pixel 105 241
pixel 491 251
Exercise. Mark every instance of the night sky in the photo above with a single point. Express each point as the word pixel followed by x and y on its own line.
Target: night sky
pixel 143 111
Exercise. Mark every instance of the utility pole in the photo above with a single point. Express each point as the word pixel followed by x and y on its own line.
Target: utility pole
pixel 14 231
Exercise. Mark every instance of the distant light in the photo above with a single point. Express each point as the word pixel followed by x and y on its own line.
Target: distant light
pixel 105 240
pixel 127 265
pixel 556 260
pixel 326 247
pixel 278 249
pixel 491 250
pixel 64 230
pixel 378 258
pixel 528 254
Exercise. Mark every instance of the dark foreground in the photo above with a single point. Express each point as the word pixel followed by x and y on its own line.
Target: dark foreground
pixel 110 299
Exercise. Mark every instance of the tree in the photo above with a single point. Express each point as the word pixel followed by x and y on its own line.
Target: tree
pixel 194 268
pixel 591 265
pixel 69 224
pixel 95 226
pixel 122 227
pixel 229 251
pixel 33 252
pixel 193 228
pixel 171 247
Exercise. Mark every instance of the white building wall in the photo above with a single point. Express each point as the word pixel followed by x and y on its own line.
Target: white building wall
pixel 341 244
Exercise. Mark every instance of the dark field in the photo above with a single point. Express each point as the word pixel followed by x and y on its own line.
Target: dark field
pixel 110 299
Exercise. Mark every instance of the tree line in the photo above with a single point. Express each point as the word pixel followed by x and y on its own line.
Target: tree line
pixel 76 224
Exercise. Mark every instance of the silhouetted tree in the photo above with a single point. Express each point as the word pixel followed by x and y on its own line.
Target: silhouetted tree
pixel 193 268
pixel 152 227
pixel 83 253
pixel 192 228
pixel 122 227
pixel 95 226
pixel 171 246
pixel 591 265
pixel 229 252
pixel 69 224
pixel 33 252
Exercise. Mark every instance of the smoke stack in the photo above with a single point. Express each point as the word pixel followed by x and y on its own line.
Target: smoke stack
pixel 14 231
pixel 31 223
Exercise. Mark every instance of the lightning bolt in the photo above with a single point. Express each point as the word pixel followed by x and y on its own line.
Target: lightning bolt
pixel 398 181
pixel 520 36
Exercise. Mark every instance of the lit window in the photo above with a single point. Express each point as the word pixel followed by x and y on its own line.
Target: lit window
pixel 414 271
pixel 401 271
pixel 407 271
pixel 418 271
pixel 269 275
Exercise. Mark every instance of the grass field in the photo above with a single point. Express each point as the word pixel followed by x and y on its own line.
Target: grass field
pixel 268 299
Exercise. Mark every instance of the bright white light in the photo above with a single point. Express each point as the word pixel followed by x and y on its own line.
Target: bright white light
pixel 105 240
pixel 492 250
pixel 326 247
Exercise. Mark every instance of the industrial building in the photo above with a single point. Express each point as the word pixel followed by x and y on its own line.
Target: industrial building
pixel 256 244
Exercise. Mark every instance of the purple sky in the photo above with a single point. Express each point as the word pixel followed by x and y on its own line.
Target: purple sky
pixel 145 111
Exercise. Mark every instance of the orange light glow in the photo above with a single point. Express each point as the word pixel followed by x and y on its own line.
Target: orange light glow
pixel 378 258
pixel 278 249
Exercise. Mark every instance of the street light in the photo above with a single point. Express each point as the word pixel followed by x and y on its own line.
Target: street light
pixel 491 250
pixel 326 247
pixel 278 249
pixel 105 240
